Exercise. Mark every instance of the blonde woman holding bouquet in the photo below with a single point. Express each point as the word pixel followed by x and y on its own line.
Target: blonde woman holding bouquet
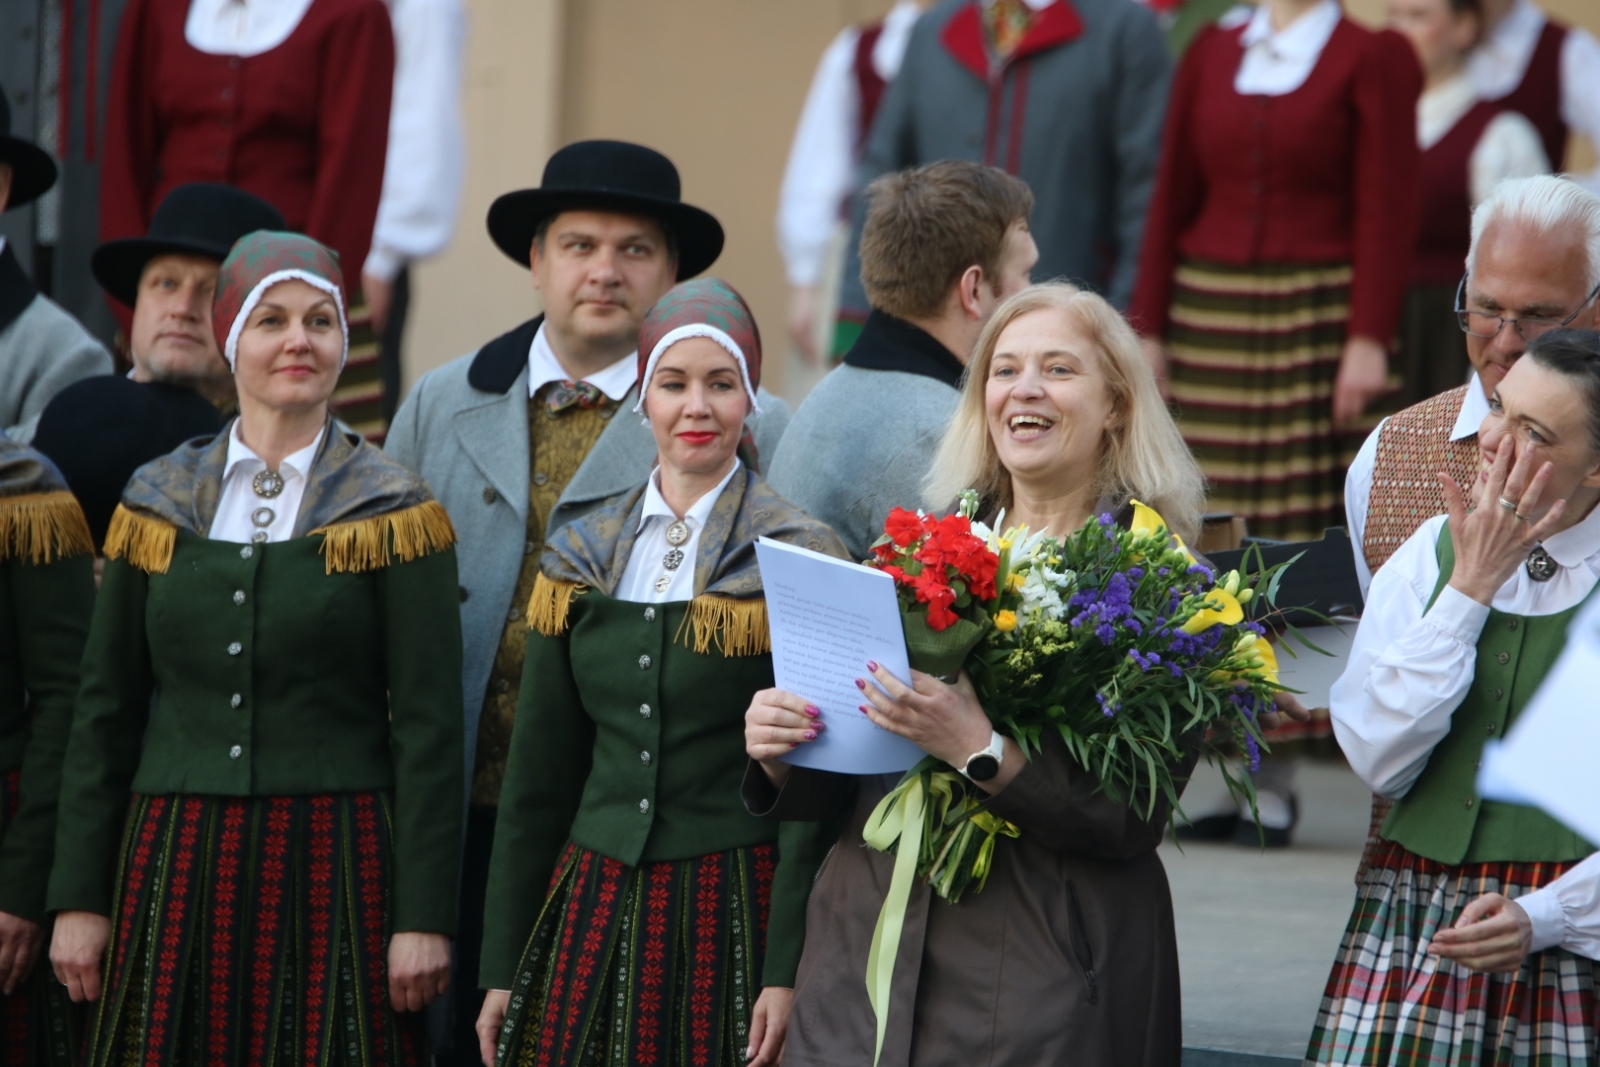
pixel 1067 955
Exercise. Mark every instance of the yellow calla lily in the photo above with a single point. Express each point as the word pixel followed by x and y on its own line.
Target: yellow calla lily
pixel 1146 520
pixel 1269 660
pixel 1222 608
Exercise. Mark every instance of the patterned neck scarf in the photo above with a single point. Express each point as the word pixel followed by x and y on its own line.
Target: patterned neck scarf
pixel 1006 23
pixel 565 395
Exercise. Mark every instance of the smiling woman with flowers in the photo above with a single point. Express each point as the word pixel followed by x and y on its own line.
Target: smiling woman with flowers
pixel 1067 953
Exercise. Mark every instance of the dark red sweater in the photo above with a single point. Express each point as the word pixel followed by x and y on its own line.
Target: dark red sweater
pixel 304 125
pixel 1324 174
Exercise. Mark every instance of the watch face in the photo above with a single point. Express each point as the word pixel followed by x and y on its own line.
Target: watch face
pixel 982 768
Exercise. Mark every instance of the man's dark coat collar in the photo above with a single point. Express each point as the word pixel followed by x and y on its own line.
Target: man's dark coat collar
pixel 496 366
pixel 16 288
pixel 888 343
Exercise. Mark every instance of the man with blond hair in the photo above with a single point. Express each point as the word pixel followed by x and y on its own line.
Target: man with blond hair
pixel 942 246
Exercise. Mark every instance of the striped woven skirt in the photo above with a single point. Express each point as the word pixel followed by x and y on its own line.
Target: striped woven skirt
pixel 39 1024
pixel 1389 1002
pixel 358 397
pixel 254 930
pixel 657 965
pixel 1253 357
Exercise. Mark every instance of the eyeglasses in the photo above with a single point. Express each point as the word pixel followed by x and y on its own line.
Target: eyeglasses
pixel 1482 324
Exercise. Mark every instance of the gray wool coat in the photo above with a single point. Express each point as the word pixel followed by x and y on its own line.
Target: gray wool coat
pixel 860 445
pixel 42 351
pixel 1085 132
pixel 464 428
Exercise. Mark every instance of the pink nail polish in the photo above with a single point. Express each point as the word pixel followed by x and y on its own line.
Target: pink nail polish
pixel 813 711
pixel 871 666
pixel 819 726
pixel 863 709
pixel 810 735
pixel 861 684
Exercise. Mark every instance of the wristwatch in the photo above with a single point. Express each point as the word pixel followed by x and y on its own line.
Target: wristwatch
pixel 984 765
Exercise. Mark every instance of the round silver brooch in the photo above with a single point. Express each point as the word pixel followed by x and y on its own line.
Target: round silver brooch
pixel 267 484
pixel 677 533
pixel 263 516
pixel 1541 568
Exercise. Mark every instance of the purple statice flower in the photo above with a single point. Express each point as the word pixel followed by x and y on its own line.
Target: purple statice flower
pixel 1253 750
pixel 1201 569
pixel 1104 610
pixel 1162 572
pixel 1145 662
pixel 1107 708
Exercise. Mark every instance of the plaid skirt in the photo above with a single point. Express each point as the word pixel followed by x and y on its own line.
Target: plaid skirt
pixel 39 1024
pixel 1254 355
pixel 254 930
pixel 655 966
pixel 1389 1002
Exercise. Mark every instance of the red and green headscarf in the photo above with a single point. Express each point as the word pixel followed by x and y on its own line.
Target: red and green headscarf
pixel 261 260
pixel 704 307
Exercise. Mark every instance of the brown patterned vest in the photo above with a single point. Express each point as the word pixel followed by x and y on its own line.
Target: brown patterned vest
pixel 1413 447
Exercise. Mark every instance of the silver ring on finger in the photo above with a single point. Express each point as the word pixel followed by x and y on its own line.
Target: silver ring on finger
pixel 1508 505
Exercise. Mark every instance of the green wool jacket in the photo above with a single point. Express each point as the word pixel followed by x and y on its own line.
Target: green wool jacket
pixel 44 621
pixel 1442 817
pixel 631 744
pixel 270 677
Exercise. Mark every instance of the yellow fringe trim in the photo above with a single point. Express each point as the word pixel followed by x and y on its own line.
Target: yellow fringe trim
pixel 43 527
pixel 145 542
pixel 739 627
pixel 550 603
pixel 368 544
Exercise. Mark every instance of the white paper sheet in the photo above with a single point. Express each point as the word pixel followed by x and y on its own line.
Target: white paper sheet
pixel 828 618
pixel 1548 756
pixel 1310 671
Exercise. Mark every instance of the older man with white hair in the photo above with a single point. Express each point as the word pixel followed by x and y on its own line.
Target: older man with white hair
pixel 1533 266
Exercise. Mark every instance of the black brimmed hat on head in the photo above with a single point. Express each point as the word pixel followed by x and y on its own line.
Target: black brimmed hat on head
pixel 200 219
pixel 33 172
pixel 608 176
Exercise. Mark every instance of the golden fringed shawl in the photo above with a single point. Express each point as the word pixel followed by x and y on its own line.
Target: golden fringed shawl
pixel 728 608
pixel 369 509
pixel 40 520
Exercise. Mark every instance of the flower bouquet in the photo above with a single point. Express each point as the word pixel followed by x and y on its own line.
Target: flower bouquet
pixel 1116 639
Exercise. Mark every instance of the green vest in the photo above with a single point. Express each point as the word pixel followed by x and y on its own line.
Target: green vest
pixel 1443 818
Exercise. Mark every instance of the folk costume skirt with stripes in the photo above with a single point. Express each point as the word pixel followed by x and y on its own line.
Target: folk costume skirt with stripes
pixel 1253 357
pixel 39 1024
pixel 254 931
pixel 1389 1002
pixel 657 965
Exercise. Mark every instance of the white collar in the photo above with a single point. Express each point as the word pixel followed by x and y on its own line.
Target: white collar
pixel 241 27
pixel 1302 39
pixel 544 368
pixel 297 462
pixel 1474 409
pixel 655 505
pixel 1500 61
pixel 1440 108
pixel 1576 544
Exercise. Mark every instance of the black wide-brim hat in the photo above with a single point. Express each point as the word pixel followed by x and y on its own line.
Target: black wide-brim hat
pixel 33 172
pixel 199 219
pixel 608 176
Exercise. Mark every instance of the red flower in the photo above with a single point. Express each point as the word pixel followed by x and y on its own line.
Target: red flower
pixel 903 527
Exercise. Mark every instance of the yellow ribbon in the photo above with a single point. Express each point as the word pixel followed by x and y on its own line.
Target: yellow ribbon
pixel 898 815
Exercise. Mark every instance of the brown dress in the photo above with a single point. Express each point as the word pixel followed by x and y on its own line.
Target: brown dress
pixel 1067 956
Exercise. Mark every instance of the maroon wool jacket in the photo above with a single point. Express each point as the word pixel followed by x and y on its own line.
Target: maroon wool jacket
pixel 303 126
pixel 1324 174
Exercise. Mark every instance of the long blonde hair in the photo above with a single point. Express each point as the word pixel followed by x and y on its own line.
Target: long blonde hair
pixel 1144 455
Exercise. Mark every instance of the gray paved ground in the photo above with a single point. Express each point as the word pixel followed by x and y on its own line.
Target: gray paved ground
pixel 1257 931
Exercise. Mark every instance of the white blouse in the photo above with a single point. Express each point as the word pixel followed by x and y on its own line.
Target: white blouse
pixel 1409 670
pixel 239 506
pixel 1277 62
pixel 638 581
pixel 1509 146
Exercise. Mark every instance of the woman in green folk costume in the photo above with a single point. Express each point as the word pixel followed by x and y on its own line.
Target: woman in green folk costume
pixel 636 913
pixel 46 597
pixel 260 818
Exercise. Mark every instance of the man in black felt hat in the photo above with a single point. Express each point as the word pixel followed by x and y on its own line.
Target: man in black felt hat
pixel 100 430
pixel 42 348
pixel 532 430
